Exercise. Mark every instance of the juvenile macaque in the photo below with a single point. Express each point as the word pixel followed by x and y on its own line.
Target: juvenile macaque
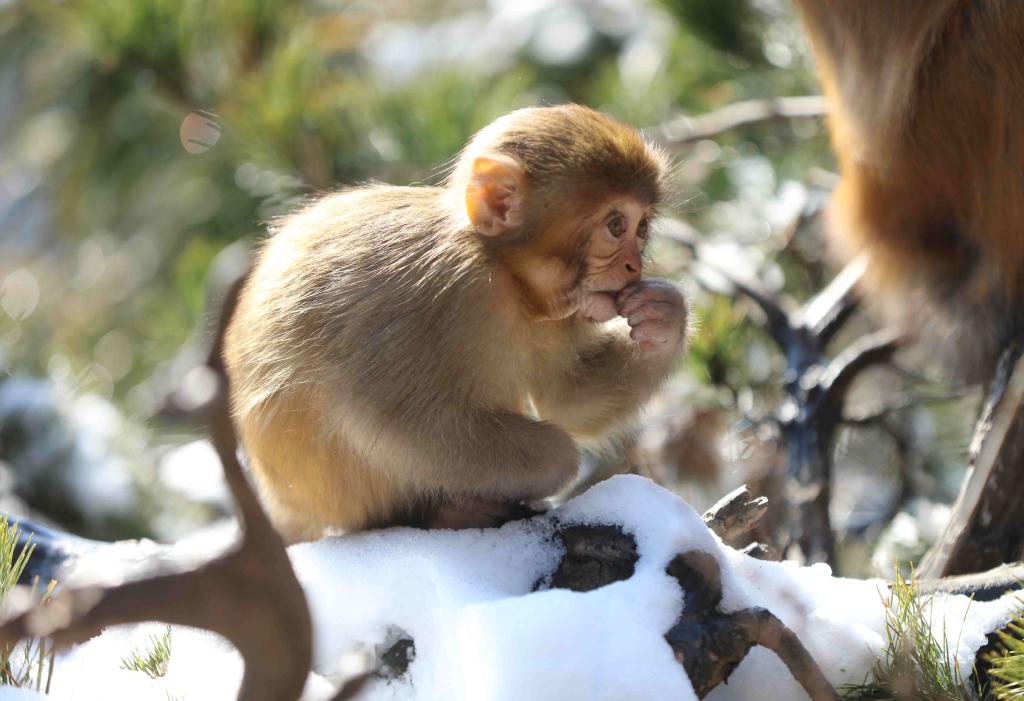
pixel 925 104
pixel 433 355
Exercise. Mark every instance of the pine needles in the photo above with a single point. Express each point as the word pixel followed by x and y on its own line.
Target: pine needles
pixel 916 666
pixel 1007 670
pixel 152 659
pixel 28 664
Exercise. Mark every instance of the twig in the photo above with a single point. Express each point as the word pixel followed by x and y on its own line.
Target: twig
pixel 780 327
pixel 825 313
pixel 685 130
pixel 766 630
pixel 250 595
pixel 901 402
pixel 710 644
pixel 815 385
pixel 735 514
pixel 982 586
pixel 863 353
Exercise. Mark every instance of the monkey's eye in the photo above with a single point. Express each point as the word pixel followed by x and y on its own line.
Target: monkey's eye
pixel 617 225
pixel 641 229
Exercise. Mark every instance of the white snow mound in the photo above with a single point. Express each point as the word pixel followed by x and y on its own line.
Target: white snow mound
pixel 482 632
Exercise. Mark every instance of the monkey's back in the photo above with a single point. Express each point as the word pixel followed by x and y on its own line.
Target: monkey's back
pixel 924 100
pixel 350 321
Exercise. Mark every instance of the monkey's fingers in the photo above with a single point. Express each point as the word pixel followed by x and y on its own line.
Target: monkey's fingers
pixel 652 311
pixel 599 306
pixel 659 336
pixel 634 296
pixel 668 312
pixel 653 333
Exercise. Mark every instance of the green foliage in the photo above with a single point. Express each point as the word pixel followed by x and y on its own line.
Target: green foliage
pixel 12 560
pixel 292 98
pixel 152 659
pixel 916 666
pixel 717 349
pixel 28 664
pixel 727 25
pixel 297 102
pixel 1007 665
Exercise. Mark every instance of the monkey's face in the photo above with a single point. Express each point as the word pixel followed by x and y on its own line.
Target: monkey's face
pixel 612 256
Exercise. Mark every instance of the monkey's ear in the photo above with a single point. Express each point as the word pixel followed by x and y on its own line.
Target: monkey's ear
pixel 495 194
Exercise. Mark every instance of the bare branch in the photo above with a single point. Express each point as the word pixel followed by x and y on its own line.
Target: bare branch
pixel 250 595
pixel 899 403
pixel 779 326
pixel 685 130
pixel 984 528
pixel 825 313
pixel 768 631
pixel 982 586
pixel 735 514
pixel 710 644
pixel 868 350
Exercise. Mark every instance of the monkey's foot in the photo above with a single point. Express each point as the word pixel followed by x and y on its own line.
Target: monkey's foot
pixel 479 512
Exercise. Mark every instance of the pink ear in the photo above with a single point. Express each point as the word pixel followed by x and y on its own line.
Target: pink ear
pixel 495 194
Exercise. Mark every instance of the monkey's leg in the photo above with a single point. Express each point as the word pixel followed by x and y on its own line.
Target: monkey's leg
pixel 499 454
pixel 475 464
pixel 311 480
pixel 476 467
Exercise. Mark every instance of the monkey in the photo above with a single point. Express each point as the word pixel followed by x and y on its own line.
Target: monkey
pixel 436 355
pixel 923 103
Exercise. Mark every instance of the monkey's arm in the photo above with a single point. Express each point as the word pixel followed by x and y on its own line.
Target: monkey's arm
pixel 615 372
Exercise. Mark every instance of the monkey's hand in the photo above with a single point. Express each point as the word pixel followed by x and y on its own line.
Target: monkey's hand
pixel 657 312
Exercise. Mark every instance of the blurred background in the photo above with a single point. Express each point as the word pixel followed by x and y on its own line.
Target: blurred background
pixel 144 142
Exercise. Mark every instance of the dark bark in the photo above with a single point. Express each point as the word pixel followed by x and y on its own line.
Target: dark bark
pixel 986 528
pixel 815 386
pixel 594 556
pixel 735 514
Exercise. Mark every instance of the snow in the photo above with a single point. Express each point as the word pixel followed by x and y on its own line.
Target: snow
pixel 482 632
pixel 194 470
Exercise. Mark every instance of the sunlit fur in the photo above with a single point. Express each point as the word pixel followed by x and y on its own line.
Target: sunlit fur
pixel 925 104
pixel 386 358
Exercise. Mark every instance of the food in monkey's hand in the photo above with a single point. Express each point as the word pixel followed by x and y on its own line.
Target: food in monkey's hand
pixel 434 355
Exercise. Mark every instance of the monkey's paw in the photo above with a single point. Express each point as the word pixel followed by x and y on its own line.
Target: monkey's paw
pixel 657 314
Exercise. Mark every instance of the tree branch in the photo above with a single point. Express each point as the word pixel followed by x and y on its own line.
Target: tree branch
pixel 681 131
pixel 780 327
pixel 735 514
pixel 824 314
pixel 866 351
pixel 249 595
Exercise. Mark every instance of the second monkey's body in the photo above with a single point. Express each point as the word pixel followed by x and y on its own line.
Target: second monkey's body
pixel 388 360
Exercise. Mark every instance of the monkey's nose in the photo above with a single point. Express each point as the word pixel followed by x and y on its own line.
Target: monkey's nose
pixel 632 271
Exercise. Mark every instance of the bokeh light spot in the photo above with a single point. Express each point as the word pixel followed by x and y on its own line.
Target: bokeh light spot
pixel 19 294
pixel 114 352
pixel 199 132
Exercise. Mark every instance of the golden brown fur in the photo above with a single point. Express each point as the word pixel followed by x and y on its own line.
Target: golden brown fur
pixel 925 104
pixel 386 358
